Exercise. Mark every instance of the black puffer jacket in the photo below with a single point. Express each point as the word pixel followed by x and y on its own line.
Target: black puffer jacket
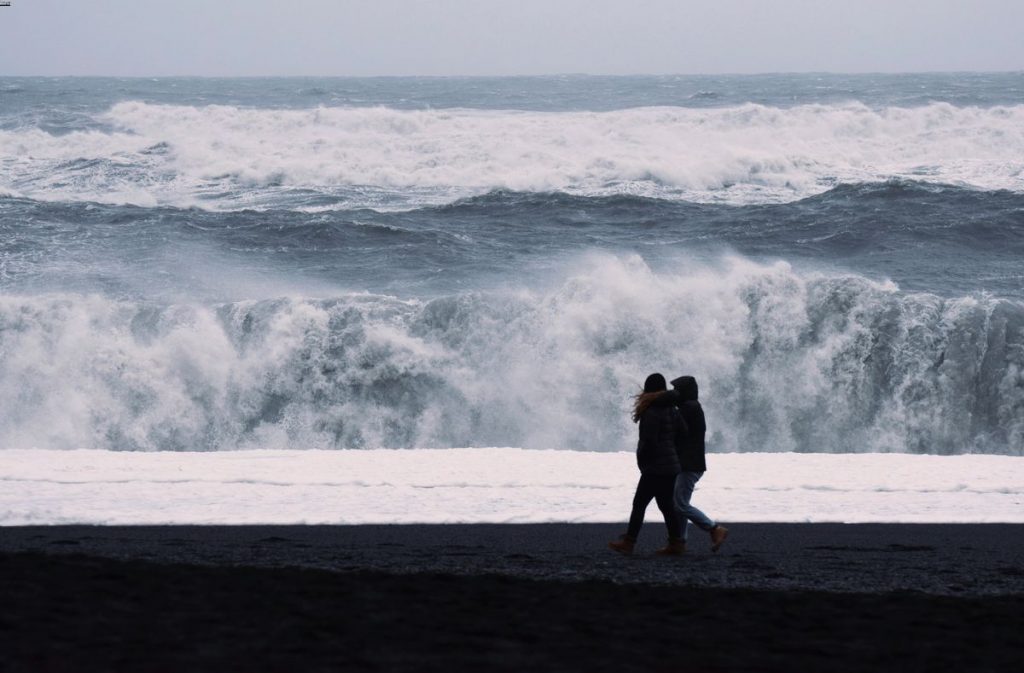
pixel 660 426
pixel 691 449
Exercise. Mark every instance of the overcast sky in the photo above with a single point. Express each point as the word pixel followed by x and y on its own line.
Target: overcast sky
pixel 513 37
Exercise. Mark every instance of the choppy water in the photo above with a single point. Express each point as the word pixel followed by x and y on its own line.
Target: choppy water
pixel 294 263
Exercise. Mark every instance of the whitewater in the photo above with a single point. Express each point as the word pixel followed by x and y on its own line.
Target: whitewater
pixel 225 157
pixel 776 352
pixel 490 485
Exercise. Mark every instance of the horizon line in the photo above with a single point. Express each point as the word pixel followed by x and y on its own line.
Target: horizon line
pixel 765 73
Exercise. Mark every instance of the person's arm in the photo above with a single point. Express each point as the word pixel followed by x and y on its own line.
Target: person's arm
pixel 648 435
pixel 700 427
pixel 642 441
pixel 675 398
pixel 682 435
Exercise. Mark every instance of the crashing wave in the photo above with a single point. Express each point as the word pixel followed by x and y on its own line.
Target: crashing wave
pixel 787 362
pixel 223 157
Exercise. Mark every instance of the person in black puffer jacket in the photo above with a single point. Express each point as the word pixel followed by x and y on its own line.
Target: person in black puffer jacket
pixel 692 462
pixel 661 425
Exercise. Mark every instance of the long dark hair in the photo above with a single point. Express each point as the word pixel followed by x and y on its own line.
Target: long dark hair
pixel 642 401
pixel 654 387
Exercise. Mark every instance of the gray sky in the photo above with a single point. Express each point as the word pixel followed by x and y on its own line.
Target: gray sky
pixel 517 37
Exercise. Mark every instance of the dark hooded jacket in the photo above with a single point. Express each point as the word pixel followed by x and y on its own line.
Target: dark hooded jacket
pixel 691 448
pixel 660 427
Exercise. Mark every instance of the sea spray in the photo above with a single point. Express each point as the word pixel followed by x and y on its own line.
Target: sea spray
pixel 788 361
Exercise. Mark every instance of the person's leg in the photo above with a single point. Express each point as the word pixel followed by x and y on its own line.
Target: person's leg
pixel 664 496
pixel 685 483
pixel 646 490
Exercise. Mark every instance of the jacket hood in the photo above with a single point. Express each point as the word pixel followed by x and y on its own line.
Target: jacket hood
pixel 687 387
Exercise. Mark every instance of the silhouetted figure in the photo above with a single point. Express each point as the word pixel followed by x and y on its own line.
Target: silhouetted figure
pixel 660 422
pixel 692 463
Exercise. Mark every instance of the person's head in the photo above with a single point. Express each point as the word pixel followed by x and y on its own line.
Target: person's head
pixel 654 386
pixel 687 387
pixel 655 383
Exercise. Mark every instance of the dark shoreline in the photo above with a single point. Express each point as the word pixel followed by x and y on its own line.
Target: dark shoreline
pixel 941 559
pixel 779 597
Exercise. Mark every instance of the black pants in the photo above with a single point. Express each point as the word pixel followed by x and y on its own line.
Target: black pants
pixel 660 488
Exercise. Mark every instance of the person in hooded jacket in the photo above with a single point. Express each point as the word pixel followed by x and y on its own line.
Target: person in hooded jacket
pixel 692 463
pixel 659 423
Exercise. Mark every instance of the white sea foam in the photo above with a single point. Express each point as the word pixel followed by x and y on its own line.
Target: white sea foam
pixel 490 485
pixel 787 362
pixel 229 157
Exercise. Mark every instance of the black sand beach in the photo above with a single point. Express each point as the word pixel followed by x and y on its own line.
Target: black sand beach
pixel 779 597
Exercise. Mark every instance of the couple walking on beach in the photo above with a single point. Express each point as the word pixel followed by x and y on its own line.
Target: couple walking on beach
pixel 670 455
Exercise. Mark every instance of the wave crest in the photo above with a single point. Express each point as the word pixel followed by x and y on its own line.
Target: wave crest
pixel 224 157
pixel 787 362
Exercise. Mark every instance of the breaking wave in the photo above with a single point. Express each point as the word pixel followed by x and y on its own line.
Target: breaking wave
pixel 227 158
pixel 787 362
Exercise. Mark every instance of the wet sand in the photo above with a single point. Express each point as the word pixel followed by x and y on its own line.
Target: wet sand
pixel 811 597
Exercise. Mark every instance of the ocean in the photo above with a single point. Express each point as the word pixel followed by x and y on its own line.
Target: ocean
pixel 206 265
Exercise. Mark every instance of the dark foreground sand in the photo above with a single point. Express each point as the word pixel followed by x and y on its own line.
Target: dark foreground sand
pixel 510 598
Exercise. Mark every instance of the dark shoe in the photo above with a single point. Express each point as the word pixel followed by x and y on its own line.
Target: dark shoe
pixel 624 545
pixel 718 535
pixel 675 547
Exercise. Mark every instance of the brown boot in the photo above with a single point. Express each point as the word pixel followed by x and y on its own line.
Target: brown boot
pixel 624 545
pixel 675 547
pixel 718 535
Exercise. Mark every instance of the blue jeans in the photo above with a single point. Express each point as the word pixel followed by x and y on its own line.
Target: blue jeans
pixel 685 483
